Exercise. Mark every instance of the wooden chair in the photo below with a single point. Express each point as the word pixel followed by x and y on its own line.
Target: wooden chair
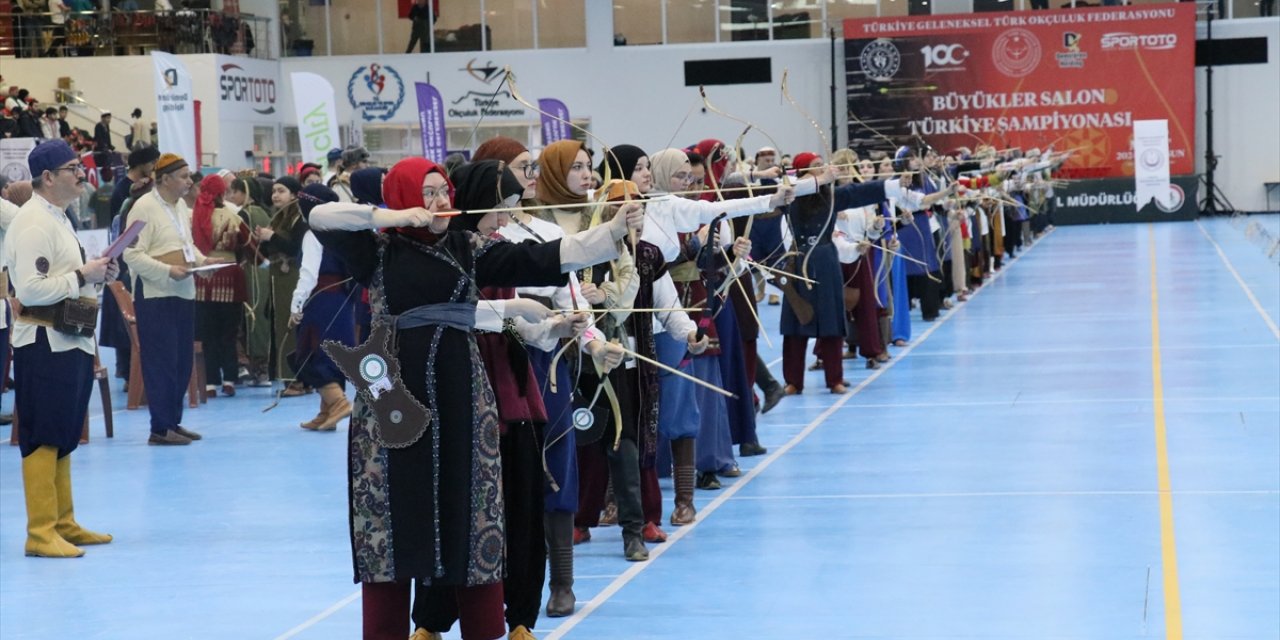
pixel 196 393
pixel 137 393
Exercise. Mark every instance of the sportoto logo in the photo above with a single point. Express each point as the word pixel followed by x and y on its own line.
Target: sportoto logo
pixel 1176 201
pixel 1016 53
pixel 944 55
pixel 1148 41
pixel 238 86
pixel 880 60
pixel 376 91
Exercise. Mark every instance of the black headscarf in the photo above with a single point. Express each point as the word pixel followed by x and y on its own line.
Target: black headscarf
pixel 627 156
pixel 313 195
pixel 478 186
pixel 291 183
pixel 366 185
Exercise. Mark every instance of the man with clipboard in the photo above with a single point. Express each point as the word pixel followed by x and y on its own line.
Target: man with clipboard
pixel 161 261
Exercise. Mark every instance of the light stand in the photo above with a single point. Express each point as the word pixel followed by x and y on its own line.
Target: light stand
pixel 1214 202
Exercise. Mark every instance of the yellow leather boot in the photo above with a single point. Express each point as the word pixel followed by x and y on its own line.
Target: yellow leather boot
pixel 38 471
pixel 67 527
pixel 321 417
pixel 339 406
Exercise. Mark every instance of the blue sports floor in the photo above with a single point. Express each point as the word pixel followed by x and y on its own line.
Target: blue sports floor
pixel 1089 448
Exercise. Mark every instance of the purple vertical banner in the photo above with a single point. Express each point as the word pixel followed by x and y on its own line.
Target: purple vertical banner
pixel 431 120
pixel 555 120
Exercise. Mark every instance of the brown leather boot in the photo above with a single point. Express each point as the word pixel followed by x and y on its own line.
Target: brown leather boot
pixel 325 402
pixel 558 529
pixel 683 473
pixel 339 406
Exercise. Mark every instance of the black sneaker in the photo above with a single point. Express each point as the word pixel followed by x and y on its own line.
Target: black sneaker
pixel 708 480
pixel 168 438
pixel 188 434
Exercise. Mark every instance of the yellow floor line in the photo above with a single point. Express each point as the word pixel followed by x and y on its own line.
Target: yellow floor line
pixel 1168 547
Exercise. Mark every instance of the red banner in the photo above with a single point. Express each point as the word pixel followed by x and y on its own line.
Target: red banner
pixel 1067 79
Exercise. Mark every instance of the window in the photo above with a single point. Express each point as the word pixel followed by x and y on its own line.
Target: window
pixel 561 24
pixel 692 21
pixel 794 19
pixel 510 23
pixel 840 10
pixel 637 22
pixel 458 26
pixel 742 20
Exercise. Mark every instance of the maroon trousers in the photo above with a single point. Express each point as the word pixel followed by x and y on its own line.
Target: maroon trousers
pixel 386 610
pixel 866 314
pixel 829 349
pixel 593 481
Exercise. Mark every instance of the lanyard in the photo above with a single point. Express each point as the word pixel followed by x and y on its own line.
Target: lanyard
pixel 173 217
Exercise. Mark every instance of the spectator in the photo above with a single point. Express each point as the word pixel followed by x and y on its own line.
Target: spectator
pixel 139 137
pixel 58 14
pixel 102 146
pixel 64 127
pixel 15 100
pixel 101 203
pixel 49 128
pixel 423 18
pixel 29 121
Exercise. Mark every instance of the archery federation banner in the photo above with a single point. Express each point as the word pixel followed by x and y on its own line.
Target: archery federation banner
pixel 1151 162
pixel 1068 79
pixel 313 103
pixel 555 120
pixel 175 108
pixel 435 140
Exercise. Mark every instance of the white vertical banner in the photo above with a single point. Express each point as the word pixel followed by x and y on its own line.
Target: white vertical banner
pixel 355 130
pixel 13 158
pixel 313 102
pixel 1151 164
pixel 175 107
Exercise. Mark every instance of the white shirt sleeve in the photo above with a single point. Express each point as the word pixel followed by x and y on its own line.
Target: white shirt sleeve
pixel 309 274
pixel 677 323
pixel 489 315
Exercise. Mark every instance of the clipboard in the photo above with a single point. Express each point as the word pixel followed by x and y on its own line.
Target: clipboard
pixel 211 267
pixel 117 248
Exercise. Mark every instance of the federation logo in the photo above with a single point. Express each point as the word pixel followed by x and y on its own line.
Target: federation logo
pixel 1016 52
pixel 1152 159
pixel 376 91
pixel 1071 57
pixel 880 60
pixel 486 74
pixel 1176 199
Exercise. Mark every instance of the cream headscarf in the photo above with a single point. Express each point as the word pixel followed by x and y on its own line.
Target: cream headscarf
pixel 665 164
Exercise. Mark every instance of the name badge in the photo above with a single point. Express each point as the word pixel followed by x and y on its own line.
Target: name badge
pixel 189 253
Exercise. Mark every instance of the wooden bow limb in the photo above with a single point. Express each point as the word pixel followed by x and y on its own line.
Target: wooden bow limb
pixel 755 314
pixel 628 310
pixel 826 148
pixel 679 373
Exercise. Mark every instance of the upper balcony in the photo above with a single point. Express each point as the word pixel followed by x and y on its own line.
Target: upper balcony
pixel 119 32
pixel 365 27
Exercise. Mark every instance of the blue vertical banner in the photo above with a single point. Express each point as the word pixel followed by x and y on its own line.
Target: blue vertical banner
pixel 431 120
pixel 555 120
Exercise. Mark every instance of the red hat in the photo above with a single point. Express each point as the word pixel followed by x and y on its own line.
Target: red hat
pixel 803 160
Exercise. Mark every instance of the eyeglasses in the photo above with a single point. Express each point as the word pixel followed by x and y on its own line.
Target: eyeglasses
pixel 75 168
pixel 530 170
pixel 430 194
